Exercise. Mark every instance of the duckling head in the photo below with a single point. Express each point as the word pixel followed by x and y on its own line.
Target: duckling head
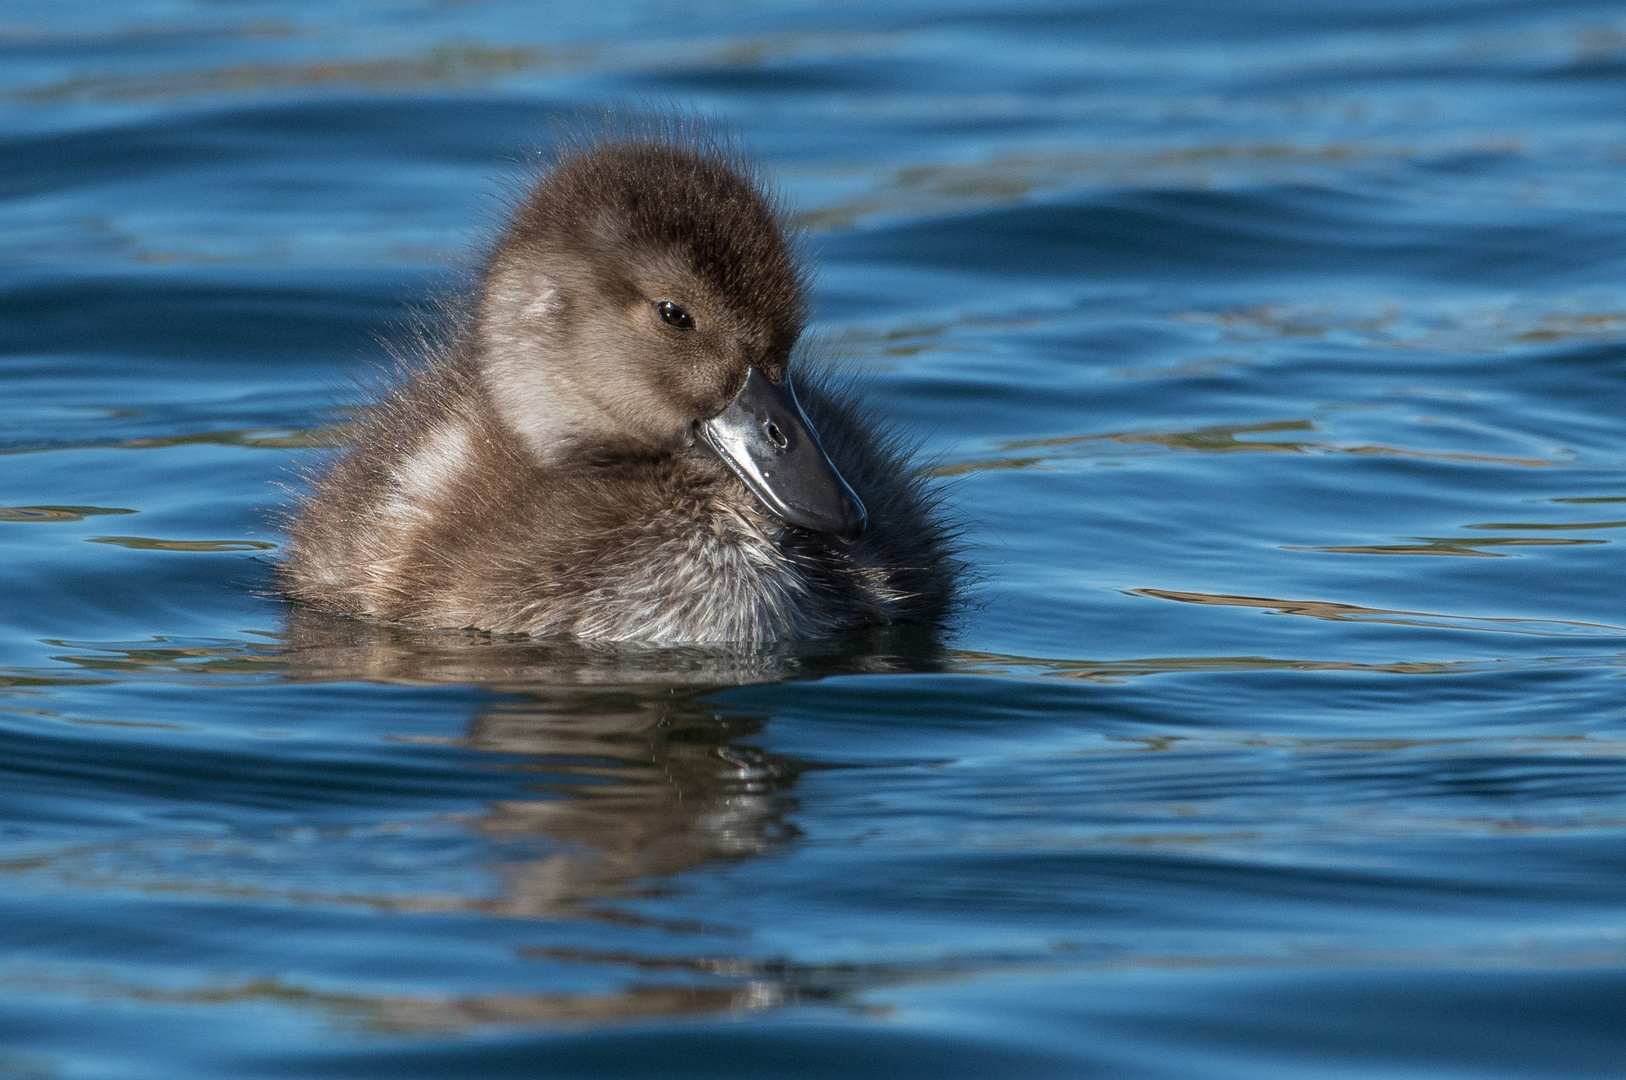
pixel 644 298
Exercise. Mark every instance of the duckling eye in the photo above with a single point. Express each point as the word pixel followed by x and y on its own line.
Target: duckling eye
pixel 674 316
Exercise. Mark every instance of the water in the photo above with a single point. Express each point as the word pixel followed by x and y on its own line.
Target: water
pixel 1272 352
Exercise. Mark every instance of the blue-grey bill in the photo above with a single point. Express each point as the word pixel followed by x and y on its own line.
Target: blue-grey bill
pixel 767 440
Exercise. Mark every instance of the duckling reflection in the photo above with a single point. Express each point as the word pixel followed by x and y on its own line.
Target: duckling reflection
pixel 647 783
pixel 640 778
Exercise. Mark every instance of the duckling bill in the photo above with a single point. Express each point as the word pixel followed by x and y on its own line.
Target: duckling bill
pixel 611 442
pixel 766 439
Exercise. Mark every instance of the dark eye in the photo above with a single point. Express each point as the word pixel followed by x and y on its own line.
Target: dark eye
pixel 674 316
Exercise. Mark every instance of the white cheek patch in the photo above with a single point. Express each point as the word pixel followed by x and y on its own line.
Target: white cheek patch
pixel 520 306
pixel 542 306
pixel 432 469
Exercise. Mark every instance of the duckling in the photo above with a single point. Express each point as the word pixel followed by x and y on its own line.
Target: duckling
pixel 612 441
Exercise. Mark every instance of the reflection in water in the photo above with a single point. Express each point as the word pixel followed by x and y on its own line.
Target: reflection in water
pixel 1326 609
pixel 325 648
pixel 413 1013
pixel 643 784
pixel 640 780
pixel 950 187
pixel 447 65
pixel 149 543
pixel 1111 671
pixel 631 778
pixel 775 984
pixel 1115 671
pixel 57 513
pixel 1448 326
pixel 645 779
pixel 637 779
pixel 1222 439
pixel 1447 545
pixel 249 438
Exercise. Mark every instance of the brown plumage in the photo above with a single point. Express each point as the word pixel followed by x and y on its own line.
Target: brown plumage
pixel 546 468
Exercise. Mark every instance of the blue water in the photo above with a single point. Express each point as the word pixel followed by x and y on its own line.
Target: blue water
pixel 1273 353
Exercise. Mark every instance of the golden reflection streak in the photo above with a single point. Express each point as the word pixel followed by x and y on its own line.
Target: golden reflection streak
pixel 1460 330
pixel 760 986
pixel 444 65
pixel 252 438
pixel 418 1014
pixel 1324 609
pixel 57 513
pixel 1538 956
pixel 1551 525
pixel 1390 326
pixel 163 658
pixel 148 34
pixel 967 467
pixel 1107 671
pixel 147 543
pixel 1445 545
pixel 509 662
pixel 932 189
pixel 1220 439
pixel 454 64
pixel 34 683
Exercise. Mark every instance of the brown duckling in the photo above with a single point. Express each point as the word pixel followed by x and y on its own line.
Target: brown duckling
pixel 610 443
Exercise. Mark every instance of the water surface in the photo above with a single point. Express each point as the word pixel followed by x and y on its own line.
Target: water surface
pixel 1273 355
